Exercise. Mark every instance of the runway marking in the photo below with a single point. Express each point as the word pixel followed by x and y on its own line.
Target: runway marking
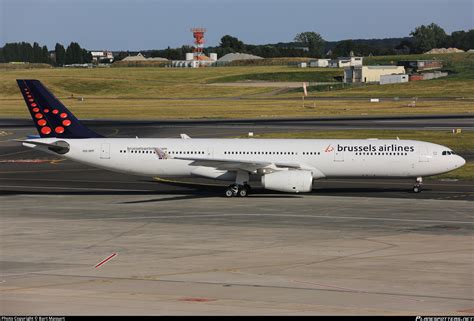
pixel 197 299
pixel 50 170
pixel 56 161
pixel 105 261
pixel 73 180
pixel 77 188
pixel 440 183
pixel 5 133
pixel 51 161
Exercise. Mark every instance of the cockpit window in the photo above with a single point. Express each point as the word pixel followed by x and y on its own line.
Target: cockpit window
pixel 448 152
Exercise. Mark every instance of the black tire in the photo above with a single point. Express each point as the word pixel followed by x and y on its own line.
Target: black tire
pixel 243 192
pixel 229 192
pixel 416 189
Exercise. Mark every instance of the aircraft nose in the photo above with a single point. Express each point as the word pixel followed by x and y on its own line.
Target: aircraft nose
pixel 460 161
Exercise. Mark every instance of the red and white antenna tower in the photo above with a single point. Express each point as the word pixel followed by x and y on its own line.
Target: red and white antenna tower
pixel 198 34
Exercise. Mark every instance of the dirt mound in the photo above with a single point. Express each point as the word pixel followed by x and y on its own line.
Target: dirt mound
pixel 443 50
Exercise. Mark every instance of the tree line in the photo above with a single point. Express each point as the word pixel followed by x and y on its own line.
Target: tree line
pixel 25 52
pixel 305 44
pixel 312 44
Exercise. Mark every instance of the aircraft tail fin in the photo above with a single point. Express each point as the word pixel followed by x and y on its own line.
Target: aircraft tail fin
pixel 51 117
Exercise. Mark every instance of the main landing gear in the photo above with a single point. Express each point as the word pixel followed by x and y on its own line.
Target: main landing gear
pixel 418 185
pixel 237 190
pixel 240 187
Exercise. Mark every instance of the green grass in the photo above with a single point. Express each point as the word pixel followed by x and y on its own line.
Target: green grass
pixel 465 173
pixel 144 93
pixel 132 108
pixel 309 75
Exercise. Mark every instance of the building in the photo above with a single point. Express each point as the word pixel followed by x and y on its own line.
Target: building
pixel 370 74
pixel 319 63
pixel 420 65
pixel 97 56
pixel 393 79
pixel 343 62
pixel 191 62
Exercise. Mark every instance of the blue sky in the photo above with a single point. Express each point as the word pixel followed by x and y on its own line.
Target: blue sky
pixel 148 24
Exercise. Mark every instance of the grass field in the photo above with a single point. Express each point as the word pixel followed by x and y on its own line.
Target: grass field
pixel 308 75
pixel 154 93
pixel 461 143
pixel 253 108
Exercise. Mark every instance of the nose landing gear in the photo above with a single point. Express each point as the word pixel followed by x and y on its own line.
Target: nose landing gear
pixel 418 185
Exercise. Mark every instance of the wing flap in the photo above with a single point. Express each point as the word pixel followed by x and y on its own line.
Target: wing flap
pixel 237 164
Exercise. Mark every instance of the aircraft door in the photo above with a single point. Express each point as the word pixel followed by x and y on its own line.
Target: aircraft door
pixel 338 156
pixel 210 151
pixel 423 156
pixel 105 151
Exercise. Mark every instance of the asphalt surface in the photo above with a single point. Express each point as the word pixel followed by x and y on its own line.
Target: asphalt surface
pixel 76 240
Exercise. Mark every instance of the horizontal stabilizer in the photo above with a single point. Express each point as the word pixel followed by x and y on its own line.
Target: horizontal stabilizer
pixel 60 146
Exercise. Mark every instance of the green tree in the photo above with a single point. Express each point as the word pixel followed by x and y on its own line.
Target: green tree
pixel 37 52
pixel 343 48
pixel 75 54
pixel 86 56
pixel 60 54
pixel 313 41
pixel 232 43
pixel 45 55
pixel 428 37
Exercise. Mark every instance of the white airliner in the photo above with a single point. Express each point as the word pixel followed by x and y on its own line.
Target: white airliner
pixel 287 165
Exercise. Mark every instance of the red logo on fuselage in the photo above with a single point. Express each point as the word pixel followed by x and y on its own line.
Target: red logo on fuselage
pixel 329 149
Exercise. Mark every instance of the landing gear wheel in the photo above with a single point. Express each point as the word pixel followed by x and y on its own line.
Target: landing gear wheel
pixel 418 185
pixel 232 190
pixel 243 192
pixel 229 192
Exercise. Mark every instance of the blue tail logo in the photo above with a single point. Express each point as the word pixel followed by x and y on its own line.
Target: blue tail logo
pixel 51 117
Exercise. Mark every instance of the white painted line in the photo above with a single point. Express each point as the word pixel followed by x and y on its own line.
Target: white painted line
pixel 75 188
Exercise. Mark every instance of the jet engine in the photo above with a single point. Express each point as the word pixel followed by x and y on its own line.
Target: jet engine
pixel 289 181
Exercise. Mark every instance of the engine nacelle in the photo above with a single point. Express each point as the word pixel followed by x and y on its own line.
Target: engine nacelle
pixel 294 181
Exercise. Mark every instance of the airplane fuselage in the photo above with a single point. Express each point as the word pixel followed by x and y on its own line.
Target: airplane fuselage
pixel 322 157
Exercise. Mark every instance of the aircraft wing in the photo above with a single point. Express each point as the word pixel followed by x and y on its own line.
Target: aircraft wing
pixel 237 164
